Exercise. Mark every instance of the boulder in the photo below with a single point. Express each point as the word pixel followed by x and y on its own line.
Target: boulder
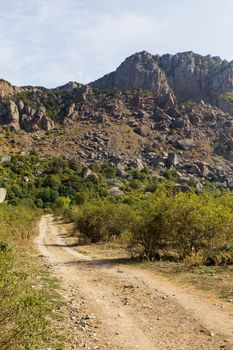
pixel 204 168
pixel 185 144
pixel 199 187
pixel 5 158
pixel 115 191
pixel 195 170
pixel 144 130
pixel 194 119
pixel 180 123
pixel 137 164
pixel 9 115
pixel 114 182
pixel 3 193
pixel 88 173
pixel 173 159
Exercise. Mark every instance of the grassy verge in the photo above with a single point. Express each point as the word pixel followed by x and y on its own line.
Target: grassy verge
pixel 29 302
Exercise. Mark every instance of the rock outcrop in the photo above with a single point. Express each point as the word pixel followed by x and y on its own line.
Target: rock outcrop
pixel 9 115
pixel 184 76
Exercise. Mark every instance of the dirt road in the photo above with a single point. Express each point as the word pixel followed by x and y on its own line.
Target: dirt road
pixel 115 306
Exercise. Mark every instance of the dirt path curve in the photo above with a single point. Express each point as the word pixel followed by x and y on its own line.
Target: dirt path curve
pixel 119 307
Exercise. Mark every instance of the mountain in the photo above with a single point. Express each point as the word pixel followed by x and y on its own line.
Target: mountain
pixel 185 76
pixel 170 111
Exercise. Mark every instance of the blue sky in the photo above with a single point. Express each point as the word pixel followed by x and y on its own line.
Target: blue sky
pixel 51 42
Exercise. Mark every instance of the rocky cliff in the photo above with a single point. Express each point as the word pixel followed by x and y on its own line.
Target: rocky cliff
pixel 185 76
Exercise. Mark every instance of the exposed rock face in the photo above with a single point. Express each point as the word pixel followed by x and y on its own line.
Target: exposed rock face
pixel 9 115
pixel 139 72
pixel 18 116
pixel 184 76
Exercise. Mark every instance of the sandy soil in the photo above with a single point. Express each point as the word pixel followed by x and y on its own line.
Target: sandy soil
pixel 116 306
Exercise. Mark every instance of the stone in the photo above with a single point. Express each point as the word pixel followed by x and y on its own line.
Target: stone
pixel 204 168
pixel 5 158
pixel 9 115
pixel 20 105
pixel 114 182
pixel 144 130
pixel 115 191
pixel 185 144
pixel 3 193
pixel 195 170
pixel 137 164
pixel 156 161
pixel 194 119
pixel 4 179
pixel 88 172
pixel 180 123
pixel 143 114
pixel 71 110
pixel 199 187
pixel 46 123
pixel 173 159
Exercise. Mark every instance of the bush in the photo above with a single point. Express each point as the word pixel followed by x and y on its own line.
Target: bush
pixel 104 221
pixel 197 223
pixel 150 232
pixel 186 224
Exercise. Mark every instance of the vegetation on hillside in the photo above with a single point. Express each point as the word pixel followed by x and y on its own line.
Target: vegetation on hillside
pixel 154 216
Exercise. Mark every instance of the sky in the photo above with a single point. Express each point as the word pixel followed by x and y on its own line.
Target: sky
pixel 51 42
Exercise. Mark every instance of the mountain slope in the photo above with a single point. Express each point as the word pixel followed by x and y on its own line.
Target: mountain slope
pixel 159 111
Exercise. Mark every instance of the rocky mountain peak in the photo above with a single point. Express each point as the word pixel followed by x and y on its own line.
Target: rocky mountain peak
pixel 184 76
pixel 140 71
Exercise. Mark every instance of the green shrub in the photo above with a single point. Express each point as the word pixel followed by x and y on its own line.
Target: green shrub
pixel 197 222
pixel 185 224
pixel 104 221
pixel 150 232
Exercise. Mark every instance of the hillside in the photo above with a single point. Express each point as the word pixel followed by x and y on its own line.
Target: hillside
pixel 156 111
